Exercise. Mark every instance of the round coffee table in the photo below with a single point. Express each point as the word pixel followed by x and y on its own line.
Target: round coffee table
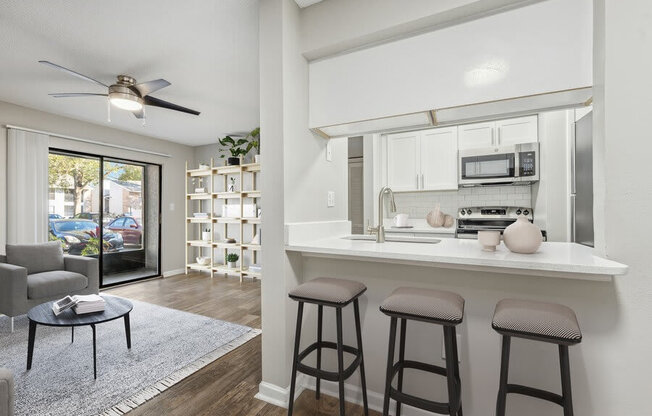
pixel 42 315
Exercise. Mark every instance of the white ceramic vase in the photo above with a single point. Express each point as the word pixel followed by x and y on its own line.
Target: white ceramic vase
pixel 232 265
pixel 522 236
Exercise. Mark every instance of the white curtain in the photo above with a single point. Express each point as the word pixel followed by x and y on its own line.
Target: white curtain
pixel 27 187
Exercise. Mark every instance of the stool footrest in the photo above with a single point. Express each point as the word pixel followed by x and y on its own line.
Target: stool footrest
pixel 429 405
pixel 536 393
pixel 328 375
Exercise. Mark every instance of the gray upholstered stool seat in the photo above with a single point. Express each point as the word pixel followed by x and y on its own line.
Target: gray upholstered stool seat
pixel 538 320
pixel 328 290
pixel 425 304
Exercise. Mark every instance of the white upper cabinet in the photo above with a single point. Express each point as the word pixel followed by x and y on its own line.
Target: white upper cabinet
pixel 498 133
pixel 438 159
pixel 477 135
pixel 517 130
pixel 403 161
pixel 422 160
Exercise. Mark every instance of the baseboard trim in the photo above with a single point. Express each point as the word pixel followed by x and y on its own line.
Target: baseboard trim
pixel 278 396
pixel 173 272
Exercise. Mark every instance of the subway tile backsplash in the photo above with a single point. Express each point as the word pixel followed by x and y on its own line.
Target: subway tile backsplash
pixel 419 204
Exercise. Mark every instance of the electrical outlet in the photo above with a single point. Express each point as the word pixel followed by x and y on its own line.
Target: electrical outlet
pixel 459 345
pixel 171 206
pixel 329 151
pixel 331 199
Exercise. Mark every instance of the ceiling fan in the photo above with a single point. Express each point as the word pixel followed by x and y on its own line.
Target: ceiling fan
pixel 125 94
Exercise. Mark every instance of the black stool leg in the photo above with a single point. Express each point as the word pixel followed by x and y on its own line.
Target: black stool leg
pixel 565 380
pixel 401 357
pixel 390 363
pixel 456 361
pixel 297 339
pixel 340 359
pixel 320 318
pixel 363 381
pixel 504 370
pixel 453 396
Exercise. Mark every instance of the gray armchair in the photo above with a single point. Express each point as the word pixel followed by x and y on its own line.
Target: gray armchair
pixel 6 392
pixel 37 273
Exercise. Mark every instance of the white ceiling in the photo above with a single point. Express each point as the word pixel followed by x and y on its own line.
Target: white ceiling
pixel 207 49
pixel 306 3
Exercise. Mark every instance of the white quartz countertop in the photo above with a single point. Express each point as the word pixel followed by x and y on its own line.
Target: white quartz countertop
pixel 553 259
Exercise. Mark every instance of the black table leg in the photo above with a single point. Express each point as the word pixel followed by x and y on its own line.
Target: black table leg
pixel 128 331
pixel 94 353
pixel 30 343
pixel 72 340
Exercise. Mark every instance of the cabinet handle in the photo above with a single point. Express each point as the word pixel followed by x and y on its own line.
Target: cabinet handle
pixel 422 186
pixel 498 136
pixel 493 138
pixel 417 181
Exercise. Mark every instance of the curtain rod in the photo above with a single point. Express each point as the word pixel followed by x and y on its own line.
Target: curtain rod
pixel 78 139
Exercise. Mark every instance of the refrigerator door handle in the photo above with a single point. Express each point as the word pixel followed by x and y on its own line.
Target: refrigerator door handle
pixel 573 224
pixel 573 167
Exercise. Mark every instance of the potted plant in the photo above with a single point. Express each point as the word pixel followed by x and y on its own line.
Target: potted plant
pixel 231 260
pixel 254 143
pixel 233 147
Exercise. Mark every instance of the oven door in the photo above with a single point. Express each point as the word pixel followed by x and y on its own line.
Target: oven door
pixel 487 166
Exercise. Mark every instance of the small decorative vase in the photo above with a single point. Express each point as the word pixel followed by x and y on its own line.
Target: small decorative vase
pixel 206 235
pixel 489 239
pixel 256 158
pixel 522 236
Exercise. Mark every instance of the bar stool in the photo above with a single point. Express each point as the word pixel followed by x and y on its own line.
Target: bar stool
pixel 432 306
pixel 336 293
pixel 539 321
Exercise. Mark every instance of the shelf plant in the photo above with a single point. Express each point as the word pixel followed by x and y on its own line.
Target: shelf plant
pixel 231 260
pixel 234 147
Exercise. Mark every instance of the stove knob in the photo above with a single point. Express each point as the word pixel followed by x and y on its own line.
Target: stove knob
pixel 526 212
pixel 518 212
pixel 468 211
pixel 462 212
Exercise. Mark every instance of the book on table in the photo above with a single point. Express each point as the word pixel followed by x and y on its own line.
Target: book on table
pixel 88 304
pixel 81 304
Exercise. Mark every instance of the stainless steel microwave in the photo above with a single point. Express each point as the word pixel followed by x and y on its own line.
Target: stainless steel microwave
pixel 505 164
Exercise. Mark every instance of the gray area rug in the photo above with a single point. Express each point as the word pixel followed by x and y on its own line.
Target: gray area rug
pixel 167 346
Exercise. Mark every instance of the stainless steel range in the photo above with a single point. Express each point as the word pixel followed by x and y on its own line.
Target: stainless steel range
pixel 474 219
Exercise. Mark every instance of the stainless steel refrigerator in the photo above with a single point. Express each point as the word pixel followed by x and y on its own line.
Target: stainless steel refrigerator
pixel 581 197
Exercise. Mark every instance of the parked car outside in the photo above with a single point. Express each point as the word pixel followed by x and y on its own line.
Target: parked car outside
pixel 54 217
pixel 76 234
pixel 93 216
pixel 129 228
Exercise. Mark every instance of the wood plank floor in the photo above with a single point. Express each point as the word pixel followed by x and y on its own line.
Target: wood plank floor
pixel 228 385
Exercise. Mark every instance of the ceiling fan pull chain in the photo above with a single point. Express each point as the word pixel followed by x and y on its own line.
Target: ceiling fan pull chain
pixel 108 110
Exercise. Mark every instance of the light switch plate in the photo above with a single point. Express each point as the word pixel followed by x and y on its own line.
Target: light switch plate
pixel 329 151
pixel 171 206
pixel 331 198
pixel 459 345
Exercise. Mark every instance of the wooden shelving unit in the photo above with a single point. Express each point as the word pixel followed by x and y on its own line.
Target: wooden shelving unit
pixel 216 181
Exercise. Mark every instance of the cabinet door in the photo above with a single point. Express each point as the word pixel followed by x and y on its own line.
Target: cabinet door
pixel 438 151
pixel 517 130
pixel 476 136
pixel 403 161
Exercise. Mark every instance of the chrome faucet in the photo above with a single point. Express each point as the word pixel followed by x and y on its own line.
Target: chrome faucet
pixel 380 229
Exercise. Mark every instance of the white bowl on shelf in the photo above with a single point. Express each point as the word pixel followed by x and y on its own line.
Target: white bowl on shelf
pixel 203 261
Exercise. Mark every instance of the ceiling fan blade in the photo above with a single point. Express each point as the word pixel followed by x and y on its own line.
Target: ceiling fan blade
pixel 156 102
pixel 139 114
pixel 145 88
pixel 74 94
pixel 73 73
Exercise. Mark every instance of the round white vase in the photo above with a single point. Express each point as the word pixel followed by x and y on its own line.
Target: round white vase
pixel 522 236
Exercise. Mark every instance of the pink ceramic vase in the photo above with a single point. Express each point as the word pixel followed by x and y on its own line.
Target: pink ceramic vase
pixel 522 236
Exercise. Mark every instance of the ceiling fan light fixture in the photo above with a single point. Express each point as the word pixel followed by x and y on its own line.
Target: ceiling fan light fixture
pixel 121 96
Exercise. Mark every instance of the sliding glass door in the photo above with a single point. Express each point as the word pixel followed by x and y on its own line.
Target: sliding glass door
pixel 116 202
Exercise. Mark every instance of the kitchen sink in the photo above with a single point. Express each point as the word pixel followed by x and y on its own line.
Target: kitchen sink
pixel 392 239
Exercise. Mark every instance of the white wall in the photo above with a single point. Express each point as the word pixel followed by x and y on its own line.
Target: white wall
pixel 540 48
pixel 172 168
pixel 337 26
pixel 296 175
